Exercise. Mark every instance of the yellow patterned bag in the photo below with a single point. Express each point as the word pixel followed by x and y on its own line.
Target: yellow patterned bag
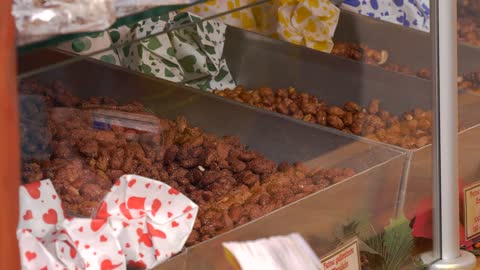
pixel 310 23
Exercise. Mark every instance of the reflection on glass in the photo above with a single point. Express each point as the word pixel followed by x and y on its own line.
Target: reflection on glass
pixel 274 117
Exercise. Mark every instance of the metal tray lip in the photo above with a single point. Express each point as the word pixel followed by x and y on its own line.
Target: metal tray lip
pixel 476 126
pixel 284 43
pixel 317 193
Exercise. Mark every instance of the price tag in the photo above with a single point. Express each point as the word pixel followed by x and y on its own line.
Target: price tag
pixel 472 211
pixel 346 257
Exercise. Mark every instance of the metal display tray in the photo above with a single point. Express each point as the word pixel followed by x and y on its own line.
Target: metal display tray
pixel 417 53
pixel 276 136
pixel 405 46
pixel 338 80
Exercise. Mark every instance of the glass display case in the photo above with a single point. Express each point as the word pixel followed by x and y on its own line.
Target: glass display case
pixel 266 117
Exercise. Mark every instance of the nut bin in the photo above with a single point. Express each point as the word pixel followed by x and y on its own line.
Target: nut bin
pixel 338 80
pixel 379 168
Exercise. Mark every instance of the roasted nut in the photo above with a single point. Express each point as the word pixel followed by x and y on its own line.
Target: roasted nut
pixel 335 122
pixel 356 128
pixel 393 121
pixel 255 212
pixel 105 137
pixel 298 114
pixel 352 106
pixel 424 73
pixel 348 119
pixel 264 199
pixel 336 111
pixel 408 142
pixel 308 107
pixel 309 118
pixel 91 191
pixel 282 108
pixel 62 150
pixel 116 161
pixel 381 134
pixel 374 106
pixel 422 141
pixel 89 148
pixel 293 108
pixel 384 115
pixel 103 162
pixel 322 117
pixel 412 124
pixel 382 58
pixel 237 165
pixel 261 166
pixel 408 116
pixel 192 238
pixel 424 124
pixel 32 172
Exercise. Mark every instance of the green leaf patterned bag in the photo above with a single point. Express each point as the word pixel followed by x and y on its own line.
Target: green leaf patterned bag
pixel 190 54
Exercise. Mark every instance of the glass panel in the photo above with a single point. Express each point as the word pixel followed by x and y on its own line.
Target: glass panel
pixel 468 52
pixel 250 116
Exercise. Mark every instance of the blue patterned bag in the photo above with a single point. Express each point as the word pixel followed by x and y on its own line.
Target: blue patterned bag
pixel 409 13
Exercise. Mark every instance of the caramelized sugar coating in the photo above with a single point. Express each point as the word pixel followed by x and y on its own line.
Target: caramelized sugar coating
pixel 231 183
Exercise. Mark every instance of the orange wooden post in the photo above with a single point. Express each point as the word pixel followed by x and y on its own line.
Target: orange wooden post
pixel 9 141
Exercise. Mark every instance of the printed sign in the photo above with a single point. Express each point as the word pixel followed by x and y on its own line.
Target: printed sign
pixel 472 211
pixel 346 257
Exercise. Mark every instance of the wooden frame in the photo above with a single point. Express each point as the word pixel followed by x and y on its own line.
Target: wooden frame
pixel 9 141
